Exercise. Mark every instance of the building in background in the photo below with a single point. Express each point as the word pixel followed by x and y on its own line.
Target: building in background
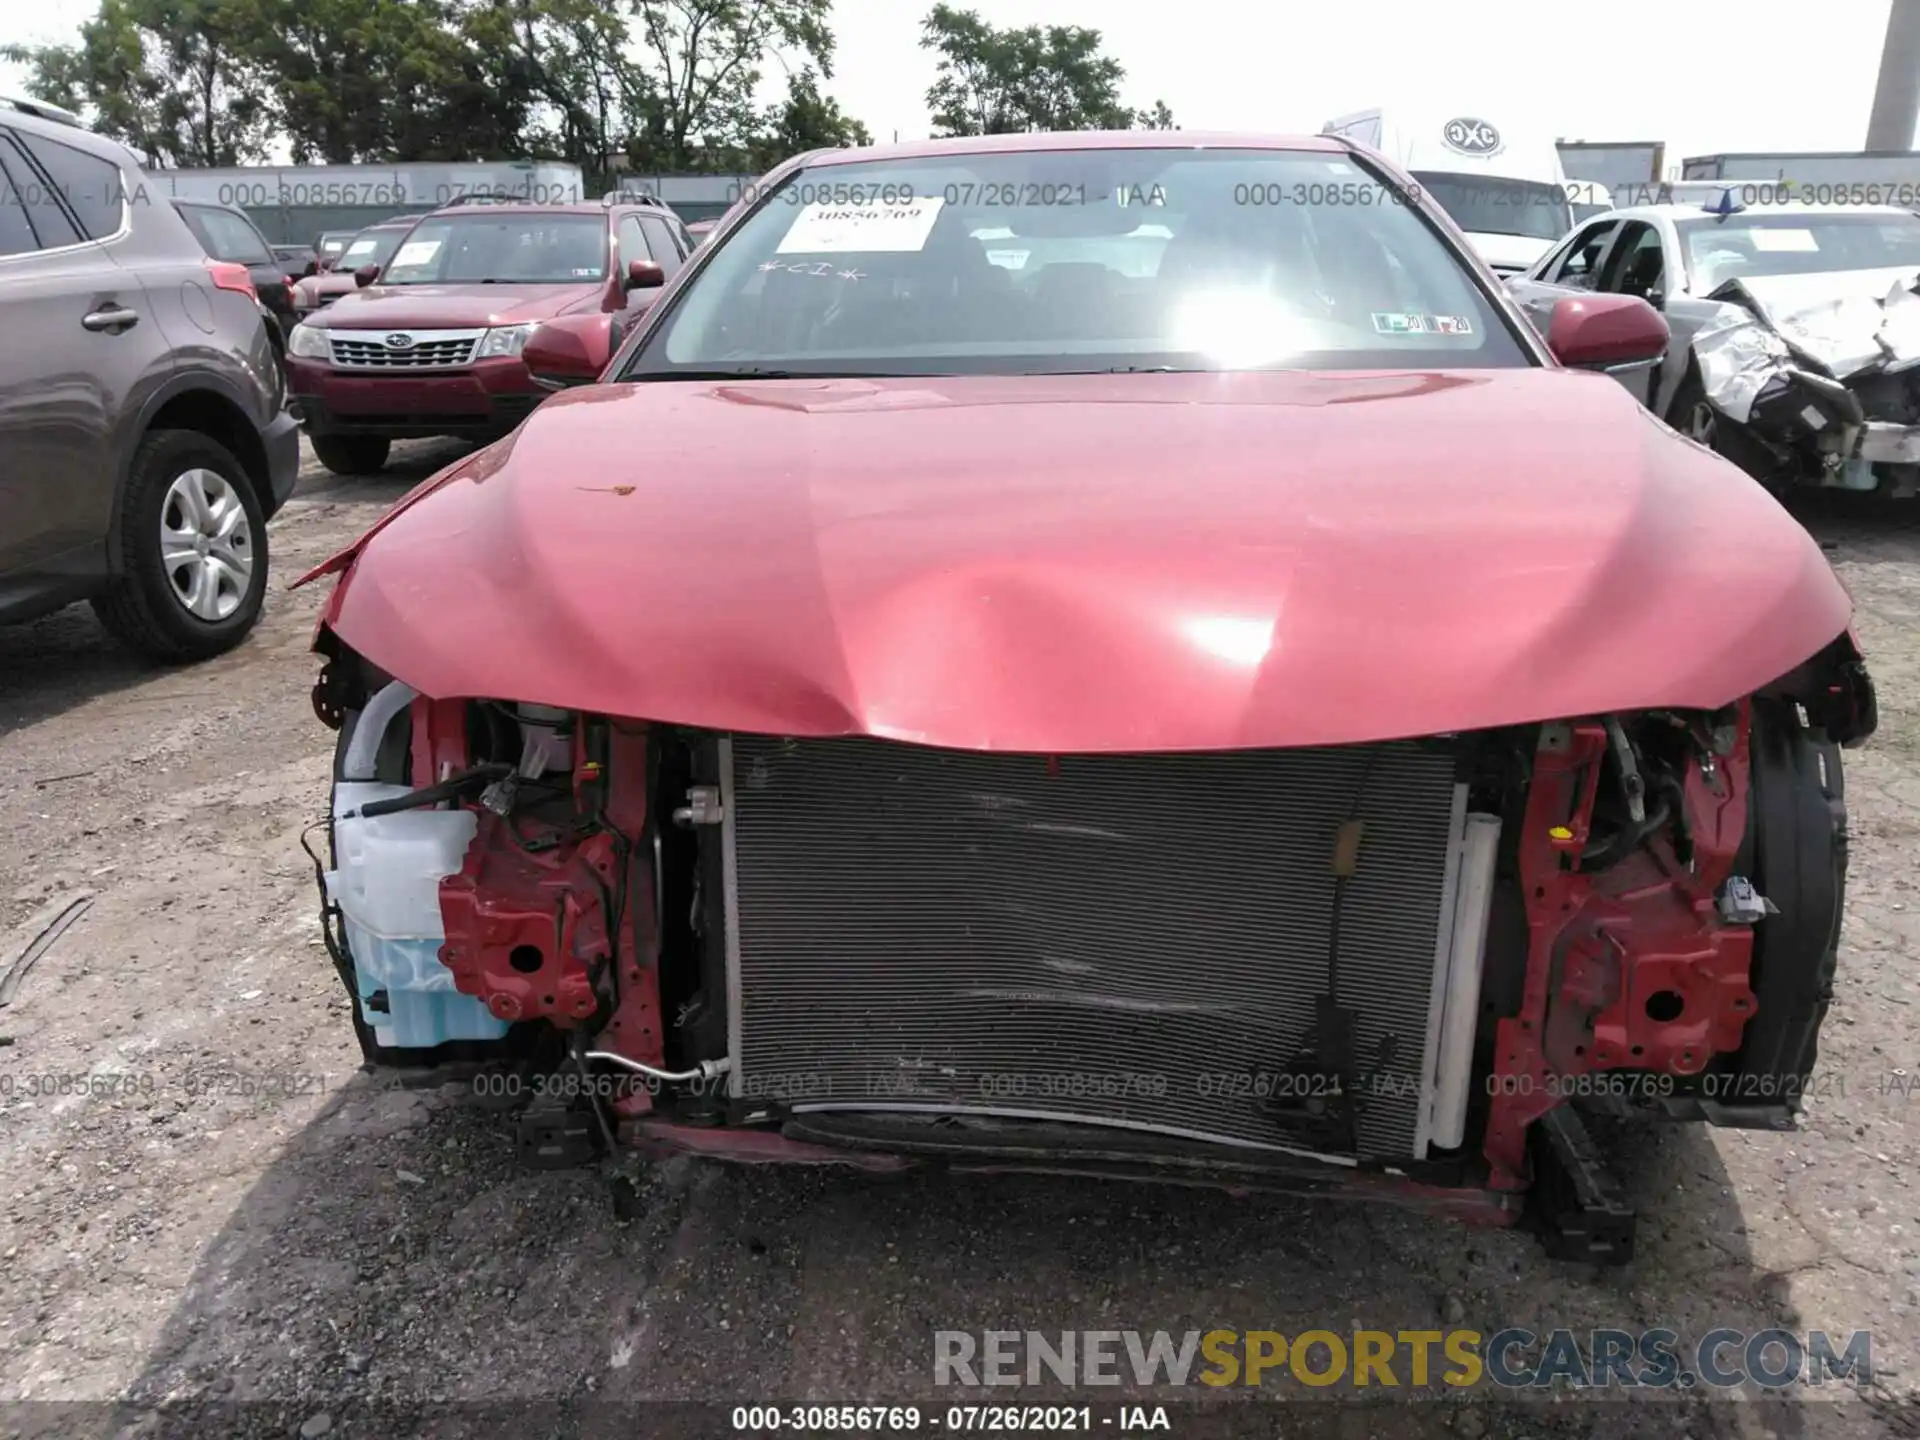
pixel 1613 162
pixel 693 197
pixel 293 203
pixel 1815 168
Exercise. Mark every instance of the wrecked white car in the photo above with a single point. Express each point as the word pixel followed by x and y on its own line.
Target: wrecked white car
pixel 1795 331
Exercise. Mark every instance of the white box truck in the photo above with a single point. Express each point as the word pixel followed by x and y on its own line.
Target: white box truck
pixel 1506 190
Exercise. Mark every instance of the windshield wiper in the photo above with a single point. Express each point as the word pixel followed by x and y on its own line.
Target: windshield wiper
pixel 754 372
pixel 1125 370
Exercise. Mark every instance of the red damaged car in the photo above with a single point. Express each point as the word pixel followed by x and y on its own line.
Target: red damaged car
pixel 1119 654
pixel 431 345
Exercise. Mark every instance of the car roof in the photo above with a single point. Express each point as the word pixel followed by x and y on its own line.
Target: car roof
pixel 42 110
pixel 36 117
pixel 521 207
pixel 1083 140
pixel 1696 212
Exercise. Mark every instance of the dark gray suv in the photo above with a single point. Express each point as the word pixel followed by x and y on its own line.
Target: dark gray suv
pixel 144 435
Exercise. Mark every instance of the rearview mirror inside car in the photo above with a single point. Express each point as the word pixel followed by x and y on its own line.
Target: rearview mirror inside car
pixel 644 275
pixel 569 350
pixel 1606 332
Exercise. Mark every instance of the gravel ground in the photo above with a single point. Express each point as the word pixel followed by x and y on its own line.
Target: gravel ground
pixel 291 1260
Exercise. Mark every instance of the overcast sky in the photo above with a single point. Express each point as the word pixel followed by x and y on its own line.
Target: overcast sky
pixel 1705 76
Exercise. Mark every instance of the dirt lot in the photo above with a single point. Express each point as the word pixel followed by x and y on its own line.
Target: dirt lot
pixel 294 1259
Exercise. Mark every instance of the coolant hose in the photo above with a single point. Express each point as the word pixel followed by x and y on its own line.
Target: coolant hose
pixel 363 750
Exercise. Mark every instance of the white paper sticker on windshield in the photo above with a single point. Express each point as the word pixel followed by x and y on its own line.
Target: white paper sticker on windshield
pixel 1801 240
pixel 871 227
pixel 416 252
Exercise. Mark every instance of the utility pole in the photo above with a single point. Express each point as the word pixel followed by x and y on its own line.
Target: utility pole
pixel 1896 98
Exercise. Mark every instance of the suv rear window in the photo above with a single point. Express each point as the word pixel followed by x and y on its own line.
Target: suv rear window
pixel 16 235
pixel 37 198
pixel 92 187
pixel 529 248
pixel 227 236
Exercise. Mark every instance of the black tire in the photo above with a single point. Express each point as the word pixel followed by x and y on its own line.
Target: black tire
pixel 141 608
pixel 1686 399
pixel 1723 437
pixel 352 454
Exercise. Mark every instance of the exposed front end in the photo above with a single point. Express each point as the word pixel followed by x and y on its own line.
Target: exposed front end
pixel 1403 969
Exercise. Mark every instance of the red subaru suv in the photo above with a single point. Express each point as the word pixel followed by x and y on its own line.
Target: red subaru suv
pixel 432 345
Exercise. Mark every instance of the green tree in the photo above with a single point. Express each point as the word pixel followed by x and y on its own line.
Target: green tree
pixel 570 59
pixel 362 80
pixel 669 83
pixel 1156 117
pixel 994 82
pixel 805 120
pixel 702 61
pixel 175 80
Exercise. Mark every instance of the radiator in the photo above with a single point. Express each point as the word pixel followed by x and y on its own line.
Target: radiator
pixel 1136 941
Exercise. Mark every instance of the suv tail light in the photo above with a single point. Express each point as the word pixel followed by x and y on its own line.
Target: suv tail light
pixel 229 276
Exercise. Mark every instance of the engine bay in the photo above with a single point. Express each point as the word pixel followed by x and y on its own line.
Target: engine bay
pixel 1414 975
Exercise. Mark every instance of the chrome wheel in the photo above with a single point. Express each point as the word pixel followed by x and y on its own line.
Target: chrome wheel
pixel 206 544
pixel 1700 424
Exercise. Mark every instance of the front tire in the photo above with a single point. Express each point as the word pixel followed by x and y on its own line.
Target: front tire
pixel 1691 415
pixel 193 541
pixel 352 454
pixel 1694 416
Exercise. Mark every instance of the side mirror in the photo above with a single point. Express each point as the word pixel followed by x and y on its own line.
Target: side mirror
pixel 644 275
pixel 366 275
pixel 569 350
pixel 1606 332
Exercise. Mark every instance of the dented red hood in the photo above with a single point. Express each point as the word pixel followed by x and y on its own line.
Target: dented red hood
pixel 1130 562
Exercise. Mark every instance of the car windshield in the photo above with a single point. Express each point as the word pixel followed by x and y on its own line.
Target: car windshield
pixel 371 247
pixel 517 248
pixel 331 244
pixel 1487 205
pixel 1061 261
pixel 1745 244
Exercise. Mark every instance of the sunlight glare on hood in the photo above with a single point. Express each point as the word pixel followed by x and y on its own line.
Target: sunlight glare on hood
pixel 1238 327
pixel 1238 642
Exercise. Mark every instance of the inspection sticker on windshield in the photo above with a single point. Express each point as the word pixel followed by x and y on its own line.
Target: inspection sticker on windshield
pixel 872 226
pixel 416 252
pixel 1782 239
pixel 1395 322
